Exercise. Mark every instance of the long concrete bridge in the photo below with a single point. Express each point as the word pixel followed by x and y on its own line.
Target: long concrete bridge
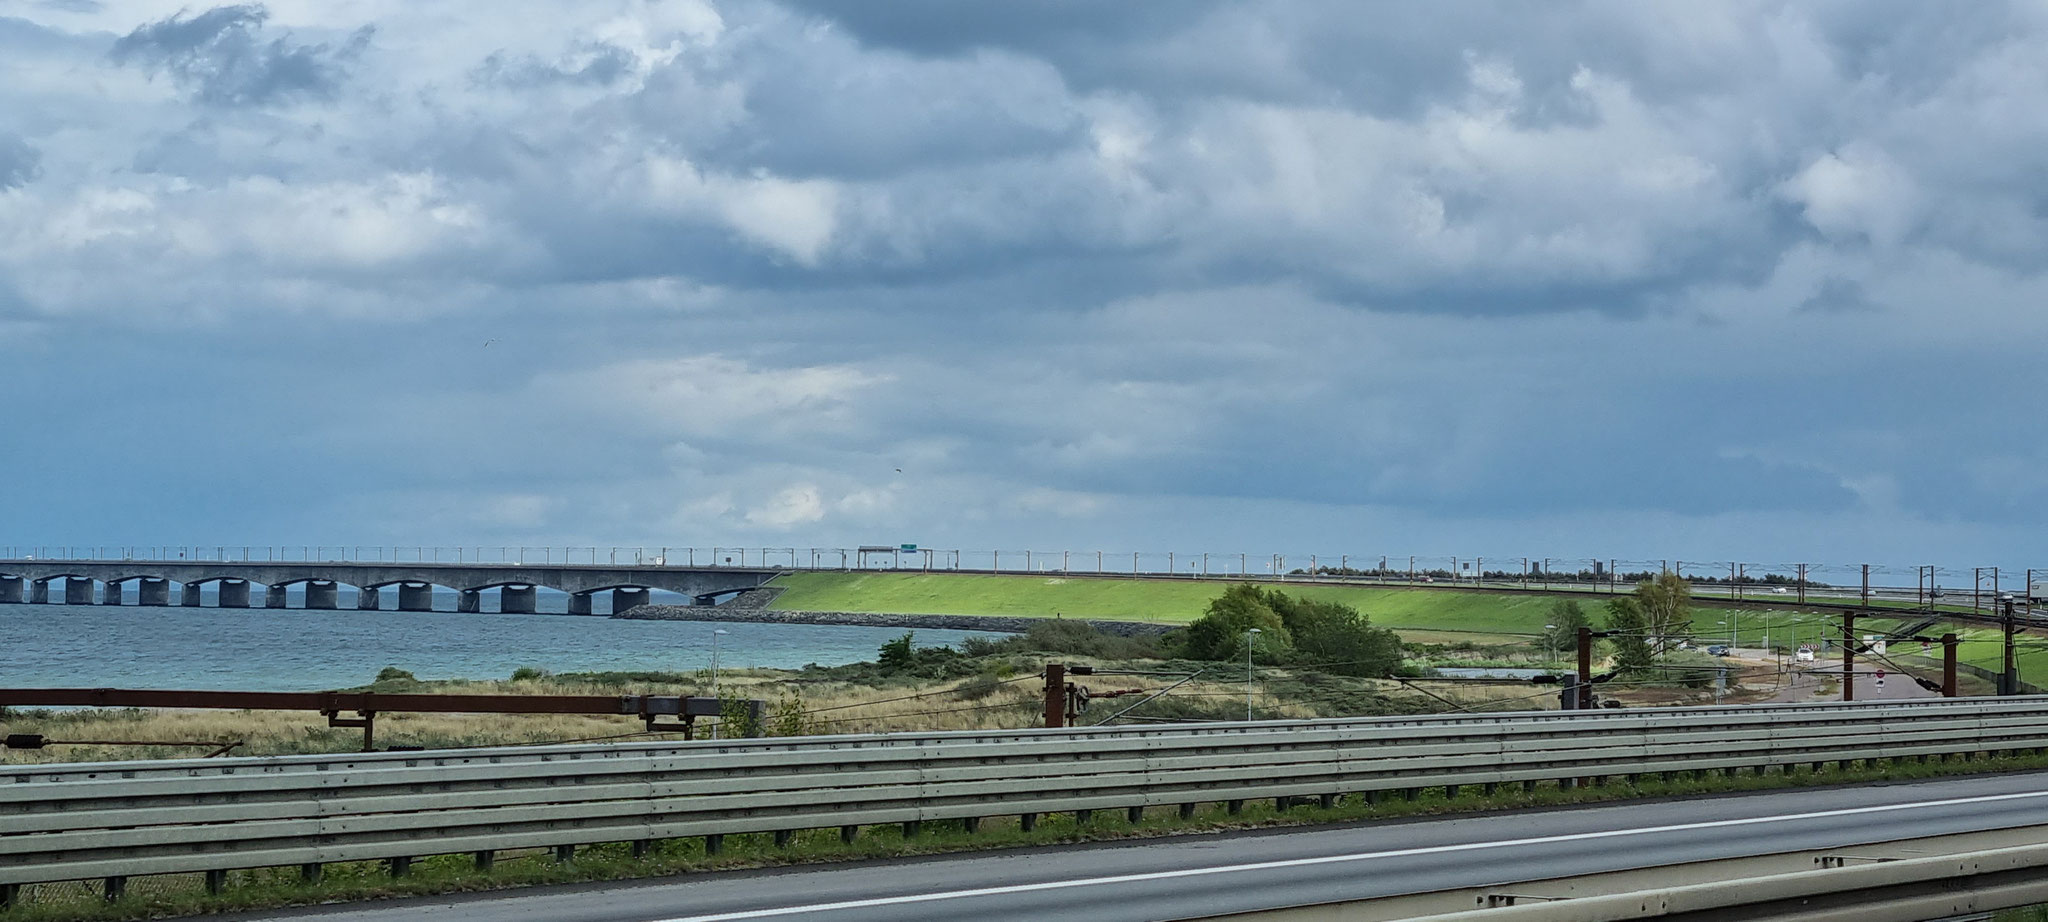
pixel 103 582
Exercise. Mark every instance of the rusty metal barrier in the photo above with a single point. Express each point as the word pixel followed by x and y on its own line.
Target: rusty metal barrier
pixel 659 713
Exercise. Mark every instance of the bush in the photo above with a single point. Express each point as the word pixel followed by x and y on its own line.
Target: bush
pixel 1075 638
pixel 1221 633
pixel 977 688
pixel 787 716
pixel 528 673
pixel 898 653
pixel 394 674
pixel 1688 669
pixel 1305 632
pixel 982 646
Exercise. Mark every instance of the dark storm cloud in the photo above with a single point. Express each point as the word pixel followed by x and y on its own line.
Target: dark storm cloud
pixel 1170 270
pixel 597 64
pixel 1838 296
pixel 223 58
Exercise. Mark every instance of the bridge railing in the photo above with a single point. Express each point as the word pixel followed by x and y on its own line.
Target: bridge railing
pixel 1978 588
pixel 117 820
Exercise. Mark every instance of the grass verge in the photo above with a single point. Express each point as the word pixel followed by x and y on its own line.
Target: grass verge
pixel 185 894
pixel 1408 610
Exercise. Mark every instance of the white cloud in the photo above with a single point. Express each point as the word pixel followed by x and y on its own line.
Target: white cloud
pixel 796 218
pixel 796 505
pixel 1856 192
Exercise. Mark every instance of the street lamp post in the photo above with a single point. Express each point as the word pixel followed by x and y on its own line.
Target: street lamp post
pixel 714 682
pixel 1248 672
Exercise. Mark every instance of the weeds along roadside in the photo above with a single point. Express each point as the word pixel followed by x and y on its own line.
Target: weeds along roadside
pixel 270 888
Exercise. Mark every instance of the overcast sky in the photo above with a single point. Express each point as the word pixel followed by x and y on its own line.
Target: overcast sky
pixel 1738 280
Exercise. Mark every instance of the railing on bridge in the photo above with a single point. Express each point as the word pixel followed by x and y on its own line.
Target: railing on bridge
pixel 1978 588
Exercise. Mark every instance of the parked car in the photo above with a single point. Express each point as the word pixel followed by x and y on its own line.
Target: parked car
pixel 1802 655
pixel 1718 650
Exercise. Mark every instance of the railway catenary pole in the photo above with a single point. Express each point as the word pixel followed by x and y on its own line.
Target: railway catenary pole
pixel 1585 688
pixel 1848 656
pixel 2009 680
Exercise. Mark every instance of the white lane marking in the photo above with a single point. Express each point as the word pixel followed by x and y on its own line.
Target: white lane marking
pixel 1334 859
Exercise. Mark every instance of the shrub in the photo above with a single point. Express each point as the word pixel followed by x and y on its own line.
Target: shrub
pixel 394 674
pixel 1078 639
pixel 787 716
pixel 528 673
pixel 1220 634
pixel 977 688
pixel 898 653
pixel 982 646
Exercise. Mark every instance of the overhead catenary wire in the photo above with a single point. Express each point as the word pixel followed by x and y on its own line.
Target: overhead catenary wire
pixel 929 694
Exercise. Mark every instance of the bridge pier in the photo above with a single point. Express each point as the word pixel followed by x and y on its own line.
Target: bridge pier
pixel 234 593
pixel 189 596
pixel 111 594
pixel 153 591
pixel 77 591
pixel 368 598
pixel 10 589
pixel 470 601
pixel 579 603
pixel 323 595
pixel 275 597
pixel 517 600
pixel 415 596
pixel 39 592
pixel 626 599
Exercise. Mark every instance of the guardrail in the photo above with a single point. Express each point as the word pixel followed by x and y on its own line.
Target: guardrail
pixel 1955 876
pixel 123 819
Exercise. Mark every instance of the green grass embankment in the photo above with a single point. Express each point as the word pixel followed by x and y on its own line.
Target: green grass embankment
pixel 1413 611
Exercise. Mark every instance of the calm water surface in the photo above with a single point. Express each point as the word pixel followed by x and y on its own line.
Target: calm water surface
pixel 259 649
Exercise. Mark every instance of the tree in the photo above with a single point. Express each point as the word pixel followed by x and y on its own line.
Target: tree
pixel 1335 637
pixel 1667 609
pixel 1561 627
pixel 1220 633
pixel 1631 642
pixel 898 653
pixel 1325 635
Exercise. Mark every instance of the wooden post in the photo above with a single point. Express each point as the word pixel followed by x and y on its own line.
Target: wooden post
pixel 1948 665
pixel 1055 695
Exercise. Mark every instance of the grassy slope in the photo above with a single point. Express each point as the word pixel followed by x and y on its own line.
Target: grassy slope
pixel 1168 601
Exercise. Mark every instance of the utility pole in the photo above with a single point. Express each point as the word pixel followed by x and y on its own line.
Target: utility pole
pixel 1585 688
pixel 1802 584
pixel 1866 585
pixel 1849 654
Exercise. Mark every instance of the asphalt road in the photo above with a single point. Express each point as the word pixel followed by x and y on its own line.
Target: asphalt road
pixel 1191 875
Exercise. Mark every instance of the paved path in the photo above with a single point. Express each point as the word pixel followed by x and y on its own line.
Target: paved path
pixel 1192 875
